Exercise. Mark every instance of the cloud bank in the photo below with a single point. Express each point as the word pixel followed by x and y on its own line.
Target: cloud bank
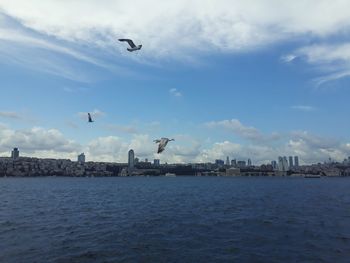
pixel 179 27
pixel 52 143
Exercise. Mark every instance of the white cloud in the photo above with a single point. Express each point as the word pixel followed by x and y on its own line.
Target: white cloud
pixel 305 108
pixel 174 92
pixel 312 148
pixel 288 58
pixel 332 60
pixel 235 126
pixel 37 51
pixel 37 141
pixel 52 143
pixel 108 149
pixel 177 28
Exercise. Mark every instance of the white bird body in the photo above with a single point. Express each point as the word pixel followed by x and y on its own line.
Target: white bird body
pixel 132 45
pixel 162 143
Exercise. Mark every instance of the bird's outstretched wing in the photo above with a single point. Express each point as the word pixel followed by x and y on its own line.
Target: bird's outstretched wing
pixel 130 42
pixel 156 141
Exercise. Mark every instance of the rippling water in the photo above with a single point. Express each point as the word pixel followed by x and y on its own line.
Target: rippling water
pixel 182 219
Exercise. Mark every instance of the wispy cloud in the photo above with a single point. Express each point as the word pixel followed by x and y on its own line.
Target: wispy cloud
pixel 332 61
pixel 122 128
pixel 38 51
pixel 225 27
pixel 174 92
pixel 245 132
pixel 306 108
pixel 10 115
pixel 288 58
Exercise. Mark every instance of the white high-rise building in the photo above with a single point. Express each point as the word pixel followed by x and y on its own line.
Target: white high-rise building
pixel 296 161
pixel 285 163
pixel 291 161
pixel 274 165
pixel 249 162
pixel 227 160
pixel 131 159
pixel 282 164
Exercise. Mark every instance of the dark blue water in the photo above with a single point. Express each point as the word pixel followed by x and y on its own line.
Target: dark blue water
pixel 182 219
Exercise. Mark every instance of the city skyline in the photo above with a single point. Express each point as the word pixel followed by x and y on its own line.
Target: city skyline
pixel 280 164
pixel 224 80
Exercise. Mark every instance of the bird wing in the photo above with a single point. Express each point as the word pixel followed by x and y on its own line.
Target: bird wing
pixel 160 148
pixel 156 141
pixel 90 119
pixel 130 42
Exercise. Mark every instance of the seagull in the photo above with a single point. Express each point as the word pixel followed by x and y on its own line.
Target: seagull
pixel 131 44
pixel 162 143
pixel 89 118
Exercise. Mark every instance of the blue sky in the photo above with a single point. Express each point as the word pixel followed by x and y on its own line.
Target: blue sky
pixel 223 80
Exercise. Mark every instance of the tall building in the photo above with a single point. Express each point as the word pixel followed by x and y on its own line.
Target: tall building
pixel 296 161
pixel 282 164
pixel 131 159
pixel 285 163
pixel 274 165
pixel 291 161
pixel 249 162
pixel 81 158
pixel 15 153
pixel 234 163
pixel 156 162
pixel 227 160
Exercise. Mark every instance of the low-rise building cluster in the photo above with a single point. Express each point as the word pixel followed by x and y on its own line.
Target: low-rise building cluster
pixel 25 166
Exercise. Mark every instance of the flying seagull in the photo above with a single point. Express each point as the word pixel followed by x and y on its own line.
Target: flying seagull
pixel 133 47
pixel 162 143
pixel 89 118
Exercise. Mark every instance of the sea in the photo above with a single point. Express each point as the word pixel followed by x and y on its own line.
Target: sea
pixel 174 219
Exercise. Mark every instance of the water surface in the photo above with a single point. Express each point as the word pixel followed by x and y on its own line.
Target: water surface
pixel 182 219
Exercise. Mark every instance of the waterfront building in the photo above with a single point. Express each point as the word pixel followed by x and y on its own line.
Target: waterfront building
pixel 227 160
pixel 131 159
pixel 15 153
pixel 81 158
pixel 296 161
pixel 136 160
pixel 233 171
pixel 156 162
pixel 249 163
